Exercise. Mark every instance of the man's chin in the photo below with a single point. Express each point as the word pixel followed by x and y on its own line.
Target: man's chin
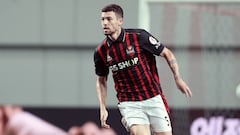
pixel 107 33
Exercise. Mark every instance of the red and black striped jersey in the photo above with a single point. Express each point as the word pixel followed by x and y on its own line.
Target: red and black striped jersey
pixel 131 58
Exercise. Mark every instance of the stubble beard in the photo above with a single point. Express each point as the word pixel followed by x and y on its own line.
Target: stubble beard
pixel 108 33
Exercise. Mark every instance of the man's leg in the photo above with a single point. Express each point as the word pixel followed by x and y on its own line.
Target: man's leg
pixel 134 119
pixel 163 133
pixel 158 116
pixel 140 130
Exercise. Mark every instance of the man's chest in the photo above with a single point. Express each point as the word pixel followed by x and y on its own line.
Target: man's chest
pixel 123 56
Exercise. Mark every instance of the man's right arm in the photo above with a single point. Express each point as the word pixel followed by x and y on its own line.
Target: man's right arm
pixel 101 87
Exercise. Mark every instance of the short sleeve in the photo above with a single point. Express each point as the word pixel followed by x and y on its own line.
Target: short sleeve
pixel 100 68
pixel 150 43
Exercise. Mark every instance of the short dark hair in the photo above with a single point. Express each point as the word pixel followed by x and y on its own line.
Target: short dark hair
pixel 115 8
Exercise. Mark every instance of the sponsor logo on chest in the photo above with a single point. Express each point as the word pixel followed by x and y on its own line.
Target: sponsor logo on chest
pixel 124 64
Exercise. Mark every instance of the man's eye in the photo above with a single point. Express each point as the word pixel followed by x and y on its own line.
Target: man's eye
pixel 107 19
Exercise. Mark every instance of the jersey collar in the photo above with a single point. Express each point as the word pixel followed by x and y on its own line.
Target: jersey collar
pixel 121 38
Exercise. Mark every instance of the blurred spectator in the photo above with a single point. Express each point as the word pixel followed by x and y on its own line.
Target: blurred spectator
pixel 15 121
pixel 75 130
pixel 20 122
pixel 1 121
pixel 90 128
pixel 108 131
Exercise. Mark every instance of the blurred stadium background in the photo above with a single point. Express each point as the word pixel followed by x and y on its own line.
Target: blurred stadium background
pixel 46 59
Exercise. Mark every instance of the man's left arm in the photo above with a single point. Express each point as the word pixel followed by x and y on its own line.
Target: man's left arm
pixel 172 62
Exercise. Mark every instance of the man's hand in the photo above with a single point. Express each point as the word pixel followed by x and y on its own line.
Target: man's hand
pixel 103 117
pixel 183 87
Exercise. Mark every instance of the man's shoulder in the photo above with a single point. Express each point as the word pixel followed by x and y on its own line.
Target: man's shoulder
pixel 141 33
pixel 135 30
pixel 101 45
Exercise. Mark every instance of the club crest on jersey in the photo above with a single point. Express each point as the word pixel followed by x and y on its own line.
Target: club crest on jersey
pixel 154 42
pixel 130 50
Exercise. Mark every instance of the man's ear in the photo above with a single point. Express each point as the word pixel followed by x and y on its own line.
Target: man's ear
pixel 120 21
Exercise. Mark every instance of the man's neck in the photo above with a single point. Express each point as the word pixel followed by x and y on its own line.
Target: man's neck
pixel 115 35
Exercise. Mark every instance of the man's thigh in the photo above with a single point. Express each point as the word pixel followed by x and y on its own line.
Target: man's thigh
pixel 132 114
pixel 163 133
pixel 158 115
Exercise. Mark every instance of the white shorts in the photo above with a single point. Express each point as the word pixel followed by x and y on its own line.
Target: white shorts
pixel 148 112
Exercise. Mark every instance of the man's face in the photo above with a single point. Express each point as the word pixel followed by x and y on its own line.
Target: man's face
pixel 110 23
